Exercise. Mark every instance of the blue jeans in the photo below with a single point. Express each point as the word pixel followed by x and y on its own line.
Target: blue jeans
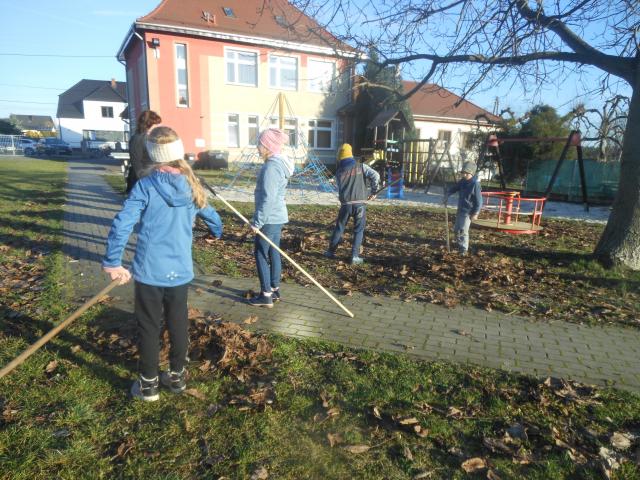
pixel 359 213
pixel 461 231
pixel 268 260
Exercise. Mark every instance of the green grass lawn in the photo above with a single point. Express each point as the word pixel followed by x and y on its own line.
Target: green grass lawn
pixel 261 405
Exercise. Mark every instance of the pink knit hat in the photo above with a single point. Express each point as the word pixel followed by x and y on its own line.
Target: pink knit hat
pixel 273 139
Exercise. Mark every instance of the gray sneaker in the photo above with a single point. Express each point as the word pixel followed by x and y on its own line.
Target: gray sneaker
pixel 145 389
pixel 357 260
pixel 174 381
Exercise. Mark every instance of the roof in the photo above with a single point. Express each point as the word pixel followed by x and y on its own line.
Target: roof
pixel 435 101
pixel 250 21
pixel 387 116
pixel 32 122
pixel 70 102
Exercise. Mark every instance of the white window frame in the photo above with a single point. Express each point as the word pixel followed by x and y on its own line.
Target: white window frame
pixel 315 129
pixel 236 63
pixel 231 124
pixel 181 64
pixel 310 81
pixel 274 123
pixel 257 125
pixel 278 67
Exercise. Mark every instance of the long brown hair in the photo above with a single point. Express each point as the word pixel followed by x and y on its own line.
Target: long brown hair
pixel 146 120
pixel 162 135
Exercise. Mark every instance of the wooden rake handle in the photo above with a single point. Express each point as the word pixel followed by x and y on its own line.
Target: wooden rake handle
pixel 54 331
pixel 302 270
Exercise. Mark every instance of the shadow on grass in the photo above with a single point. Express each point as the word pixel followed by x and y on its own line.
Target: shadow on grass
pixel 31 330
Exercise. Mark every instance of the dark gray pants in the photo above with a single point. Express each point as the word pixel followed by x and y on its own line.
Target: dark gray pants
pixel 153 305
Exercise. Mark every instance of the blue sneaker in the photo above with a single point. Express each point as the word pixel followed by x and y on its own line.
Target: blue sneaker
pixel 329 254
pixel 357 260
pixel 275 295
pixel 262 300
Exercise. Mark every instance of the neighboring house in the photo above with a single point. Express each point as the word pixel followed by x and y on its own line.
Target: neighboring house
pixel 89 113
pixel 34 125
pixel 443 115
pixel 213 69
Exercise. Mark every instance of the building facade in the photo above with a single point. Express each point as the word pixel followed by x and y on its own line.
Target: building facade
pixel 444 116
pixel 214 70
pixel 89 113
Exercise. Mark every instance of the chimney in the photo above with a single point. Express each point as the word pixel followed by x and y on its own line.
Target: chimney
pixel 113 83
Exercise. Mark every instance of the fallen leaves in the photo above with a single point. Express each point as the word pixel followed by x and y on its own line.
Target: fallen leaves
pixel 357 449
pixel 473 465
pixel 512 274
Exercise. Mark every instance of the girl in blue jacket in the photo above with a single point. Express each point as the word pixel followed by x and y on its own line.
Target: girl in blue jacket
pixel 270 213
pixel 165 201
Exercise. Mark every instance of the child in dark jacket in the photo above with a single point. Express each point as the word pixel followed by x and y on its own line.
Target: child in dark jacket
pixel 469 204
pixel 352 178
pixel 165 202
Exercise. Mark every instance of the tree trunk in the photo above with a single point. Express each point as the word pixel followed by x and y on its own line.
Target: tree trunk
pixel 620 241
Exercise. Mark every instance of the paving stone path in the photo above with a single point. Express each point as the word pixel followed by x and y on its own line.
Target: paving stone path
pixel 599 355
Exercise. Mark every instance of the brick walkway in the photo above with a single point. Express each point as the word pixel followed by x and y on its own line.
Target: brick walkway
pixel 600 355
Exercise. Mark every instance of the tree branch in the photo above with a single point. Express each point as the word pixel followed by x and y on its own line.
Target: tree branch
pixel 619 66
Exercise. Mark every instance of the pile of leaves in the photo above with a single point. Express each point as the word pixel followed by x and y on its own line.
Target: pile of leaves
pixel 550 275
pixel 217 347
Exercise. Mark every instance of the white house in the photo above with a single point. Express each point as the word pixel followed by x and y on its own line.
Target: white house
pixel 441 114
pixel 90 111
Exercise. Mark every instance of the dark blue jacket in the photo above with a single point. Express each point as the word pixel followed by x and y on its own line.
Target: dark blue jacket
pixel 469 195
pixel 162 203
pixel 351 178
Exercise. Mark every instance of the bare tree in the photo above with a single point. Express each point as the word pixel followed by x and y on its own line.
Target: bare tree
pixel 490 42
pixel 605 126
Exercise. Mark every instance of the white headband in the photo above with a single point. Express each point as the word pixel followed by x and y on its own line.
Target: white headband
pixel 165 152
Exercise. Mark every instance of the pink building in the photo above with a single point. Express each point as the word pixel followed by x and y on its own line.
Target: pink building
pixel 213 69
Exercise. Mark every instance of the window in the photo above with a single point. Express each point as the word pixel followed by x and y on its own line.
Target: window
pixel 320 75
pixel 283 72
pixel 320 133
pixel 103 135
pixel 466 140
pixel 107 112
pixel 290 126
pixel 182 84
pixel 252 123
pixel 228 12
pixel 444 139
pixel 242 67
pixel 233 131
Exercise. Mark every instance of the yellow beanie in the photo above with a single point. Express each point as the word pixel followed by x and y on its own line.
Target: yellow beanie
pixel 345 151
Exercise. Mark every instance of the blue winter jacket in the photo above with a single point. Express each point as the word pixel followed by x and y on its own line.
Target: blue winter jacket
pixel 270 206
pixel 162 203
pixel 352 178
pixel 469 195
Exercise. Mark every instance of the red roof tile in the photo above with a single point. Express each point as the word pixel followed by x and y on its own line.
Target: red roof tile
pixel 277 20
pixel 435 101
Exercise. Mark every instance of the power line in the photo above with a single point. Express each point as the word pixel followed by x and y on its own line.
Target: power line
pixel 41 103
pixel 30 86
pixel 55 55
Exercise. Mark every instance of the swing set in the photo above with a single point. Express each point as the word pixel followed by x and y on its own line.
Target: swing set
pixel 508 210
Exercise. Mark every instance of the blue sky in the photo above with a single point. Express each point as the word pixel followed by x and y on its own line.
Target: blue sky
pixel 79 39
pixel 31 84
